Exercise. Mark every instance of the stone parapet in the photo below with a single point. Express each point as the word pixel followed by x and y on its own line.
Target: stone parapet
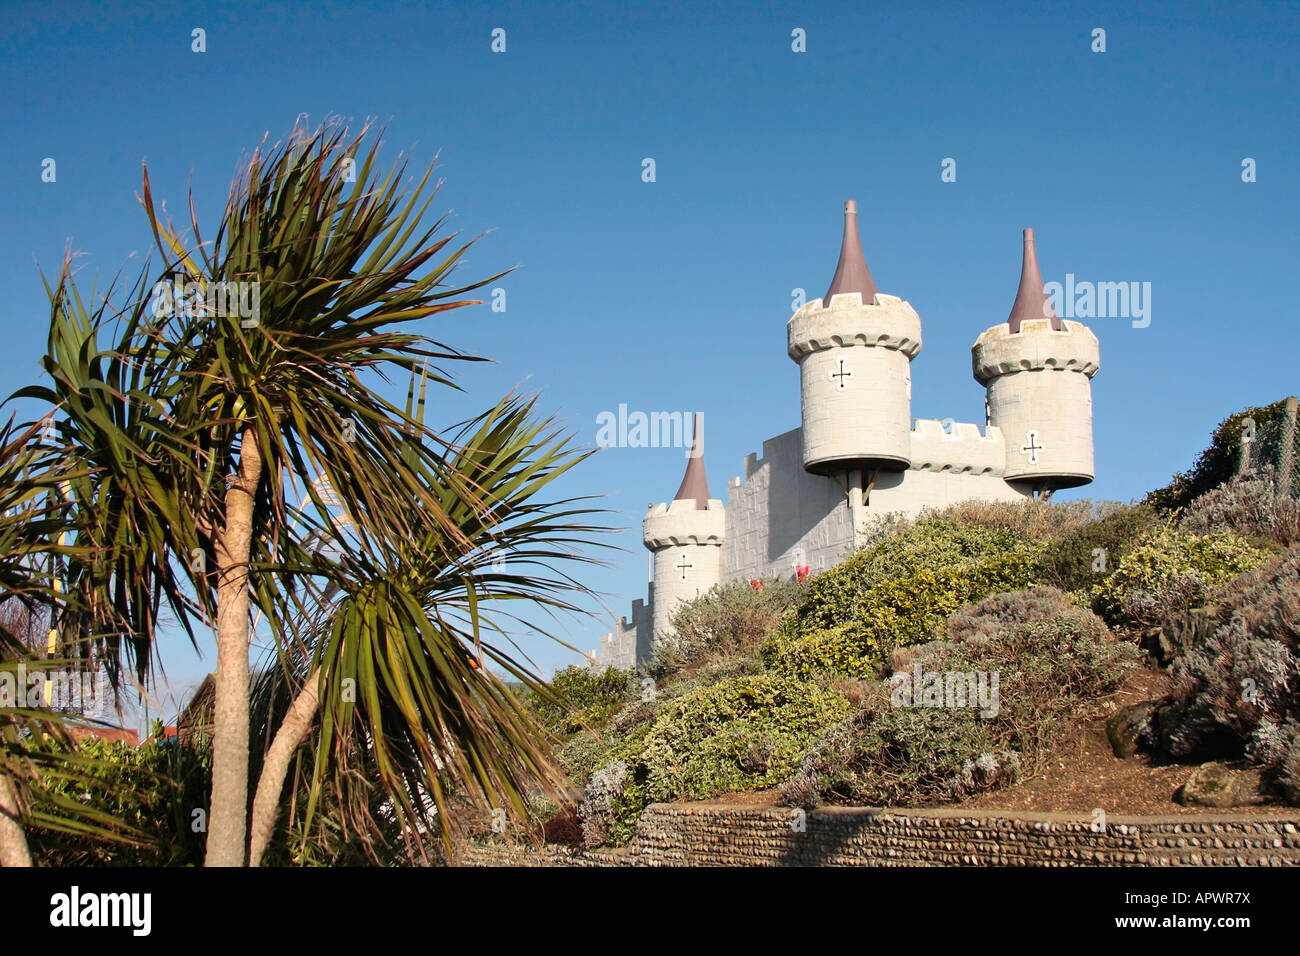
pixel 720 835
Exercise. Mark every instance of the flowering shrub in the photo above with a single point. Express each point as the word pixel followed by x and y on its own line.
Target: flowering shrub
pixel 895 612
pixel 740 734
pixel 1176 570
pixel 1049 670
pixel 1237 675
pixel 1249 506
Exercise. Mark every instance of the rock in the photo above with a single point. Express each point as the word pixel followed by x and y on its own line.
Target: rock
pixel 1168 719
pixel 1221 786
pixel 1130 727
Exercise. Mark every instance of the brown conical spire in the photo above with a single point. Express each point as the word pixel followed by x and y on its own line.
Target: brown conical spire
pixel 1032 301
pixel 694 484
pixel 851 274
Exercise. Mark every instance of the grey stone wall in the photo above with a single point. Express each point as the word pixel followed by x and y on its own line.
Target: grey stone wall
pixel 698 835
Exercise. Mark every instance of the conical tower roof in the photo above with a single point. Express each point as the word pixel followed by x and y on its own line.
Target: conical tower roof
pixel 1032 302
pixel 694 484
pixel 851 274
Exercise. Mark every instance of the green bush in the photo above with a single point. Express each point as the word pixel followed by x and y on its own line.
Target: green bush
pixel 1250 506
pixel 846 650
pixel 1170 572
pixel 837 596
pixel 152 789
pixel 896 612
pixel 1083 556
pixel 728 622
pixel 888 754
pixel 582 699
pixel 1217 463
pixel 741 734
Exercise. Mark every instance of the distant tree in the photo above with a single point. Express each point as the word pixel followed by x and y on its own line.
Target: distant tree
pixel 1217 463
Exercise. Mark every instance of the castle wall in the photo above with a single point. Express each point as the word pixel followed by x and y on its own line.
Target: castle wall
pixel 780 510
pixel 629 642
pixel 780 515
pixel 911 491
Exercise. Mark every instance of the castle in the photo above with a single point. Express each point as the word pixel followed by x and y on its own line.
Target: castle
pixel 801 508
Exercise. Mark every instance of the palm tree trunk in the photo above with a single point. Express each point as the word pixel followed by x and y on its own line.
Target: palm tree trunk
pixel 228 813
pixel 293 731
pixel 13 841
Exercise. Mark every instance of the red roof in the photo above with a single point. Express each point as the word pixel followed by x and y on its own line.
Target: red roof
pixel 112 735
pixel 694 483
pixel 851 273
pixel 1032 302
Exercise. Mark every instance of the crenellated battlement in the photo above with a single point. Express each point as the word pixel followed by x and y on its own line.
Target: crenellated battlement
pixel 886 322
pixel 680 522
pixel 999 351
pixel 960 448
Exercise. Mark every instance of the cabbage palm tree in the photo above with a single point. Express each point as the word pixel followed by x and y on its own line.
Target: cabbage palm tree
pixel 208 429
pixel 427 617
pixel 36 751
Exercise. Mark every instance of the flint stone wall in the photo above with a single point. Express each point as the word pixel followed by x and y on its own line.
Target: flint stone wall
pixel 714 835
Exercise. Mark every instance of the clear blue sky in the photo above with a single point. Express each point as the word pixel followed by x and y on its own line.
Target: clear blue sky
pixel 673 295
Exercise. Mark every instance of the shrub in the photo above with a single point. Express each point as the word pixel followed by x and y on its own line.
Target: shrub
pixel 1250 506
pixel 878 527
pixel 896 612
pixel 152 789
pixel 837 596
pixel 1048 669
pixel 1288 776
pixel 1226 688
pixel 1029 519
pixel 911 609
pixel 582 698
pixel 1177 570
pixel 741 734
pixel 993 615
pixel 844 650
pixel 597 812
pixel 1084 555
pixel 706 675
pixel 729 621
pixel 583 754
pixel 1217 463
pixel 886 756
pixel 1237 680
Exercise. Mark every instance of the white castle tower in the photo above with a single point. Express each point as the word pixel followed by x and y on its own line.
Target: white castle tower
pixel 685 536
pixel 1037 369
pixel 855 348
pixel 802 507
